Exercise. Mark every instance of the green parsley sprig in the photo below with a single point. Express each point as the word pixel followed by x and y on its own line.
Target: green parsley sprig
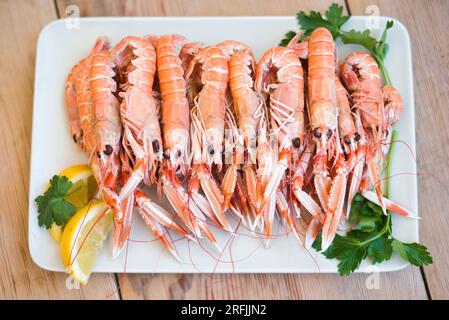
pixel 371 238
pixel 333 20
pixel 52 207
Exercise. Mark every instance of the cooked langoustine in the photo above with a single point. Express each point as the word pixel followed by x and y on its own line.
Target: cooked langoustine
pixel 93 105
pixel 211 101
pixel 108 129
pixel 349 126
pixel 100 120
pixel 210 68
pixel 85 109
pixel 379 108
pixel 361 76
pixel 175 107
pixel 357 67
pixel 323 115
pixel 279 75
pixel 139 110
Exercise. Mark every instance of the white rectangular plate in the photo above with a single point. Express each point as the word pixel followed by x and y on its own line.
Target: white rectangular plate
pixel 59 47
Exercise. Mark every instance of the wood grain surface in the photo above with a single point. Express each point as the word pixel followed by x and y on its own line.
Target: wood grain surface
pixel 20 278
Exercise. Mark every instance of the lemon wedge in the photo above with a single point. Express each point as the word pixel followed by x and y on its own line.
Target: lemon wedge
pixel 83 189
pixel 83 238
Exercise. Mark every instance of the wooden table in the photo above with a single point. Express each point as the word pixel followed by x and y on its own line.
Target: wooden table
pixel 21 22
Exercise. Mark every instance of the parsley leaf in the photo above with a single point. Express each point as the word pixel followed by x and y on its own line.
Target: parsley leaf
pixel 382 46
pixel 340 246
pixel 351 260
pixel 370 238
pixel 61 185
pixel 364 215
pixel 380 249
pixel 335 16
pixel 348 251
pixel 333 20
pixel 45 217
pixel 414 253
pixel 367 224
pixel 362 38
pixel 52 207
pixel 287 37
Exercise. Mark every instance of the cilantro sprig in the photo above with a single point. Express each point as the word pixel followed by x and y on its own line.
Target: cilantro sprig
pixel 371 238
pixel 52 207
pixel 333 20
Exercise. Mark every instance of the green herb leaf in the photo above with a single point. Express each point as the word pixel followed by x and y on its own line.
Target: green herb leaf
pixel 335 15
pixel 62 210
pixel 365 215
pixel 351 260
pixel 414 253
pixel 45 217
pixel 381 48
pixel 380 249
pixel 287 38
pixel 52 207
pixel 333 20
pixel 61 185
pixel 370 238
pixel 367 224
pixel 340 247
pixel 349 251
pixel 362 38
pixel 376 211
pixel 317 243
